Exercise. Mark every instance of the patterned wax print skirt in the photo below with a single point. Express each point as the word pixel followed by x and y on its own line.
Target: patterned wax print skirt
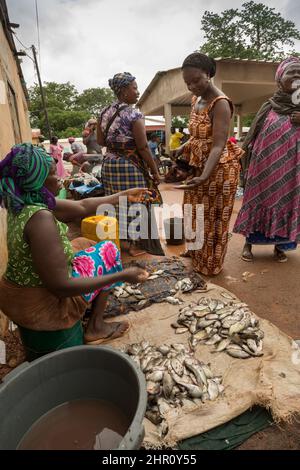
pixel 98 260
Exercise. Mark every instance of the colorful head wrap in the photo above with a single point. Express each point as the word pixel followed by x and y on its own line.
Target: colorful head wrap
pixel 284 65
pixel 23 173
pixel 119 81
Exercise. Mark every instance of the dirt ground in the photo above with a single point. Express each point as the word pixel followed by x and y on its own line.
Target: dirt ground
pixel 271 289
pixel 272 292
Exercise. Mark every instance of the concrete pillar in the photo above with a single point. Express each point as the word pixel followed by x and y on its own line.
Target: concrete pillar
pixel 168 123
pixel 231 127
pixel 239 126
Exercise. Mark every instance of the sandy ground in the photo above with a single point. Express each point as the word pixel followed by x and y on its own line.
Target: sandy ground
pixel 272 292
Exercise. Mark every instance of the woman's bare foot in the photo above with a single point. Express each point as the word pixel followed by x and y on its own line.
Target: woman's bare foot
pixel 247 253
pixel 97 330
pixel 134 250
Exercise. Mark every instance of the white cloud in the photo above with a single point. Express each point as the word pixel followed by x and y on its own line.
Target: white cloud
pixel 87 41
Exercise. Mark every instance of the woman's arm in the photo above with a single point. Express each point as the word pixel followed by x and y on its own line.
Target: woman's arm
pixel 86 135
pixel 49 260
pixel 139 134
pixel 100 136
pixel 67 210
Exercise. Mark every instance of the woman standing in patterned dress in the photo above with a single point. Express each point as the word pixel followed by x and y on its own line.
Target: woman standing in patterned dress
pixel 129 162
pixel 214 159
pixel 270 211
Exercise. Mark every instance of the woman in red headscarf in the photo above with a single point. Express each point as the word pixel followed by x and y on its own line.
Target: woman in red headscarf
pixel 271 207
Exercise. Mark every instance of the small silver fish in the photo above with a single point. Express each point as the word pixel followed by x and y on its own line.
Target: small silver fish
pixel 164 349
pixel 193 342
pixel 213 305
pixel 215 339
pixel 213 390
pixel 154 417
pixel 193 390
pixel 251 343
pixel 177 366
pixel 172 300
pixel 195 370
pixel 240 354
pixel 179 347
pixel 193 326
pixel 202 323
pixel 212 316
pixel 180 331
pixel 208 373
pixel 155 376
pixel 200 335
pixel 153 388
pixel 223 344
pixel 226 295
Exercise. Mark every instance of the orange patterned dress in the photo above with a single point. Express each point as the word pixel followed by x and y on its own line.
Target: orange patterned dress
pixel 216 194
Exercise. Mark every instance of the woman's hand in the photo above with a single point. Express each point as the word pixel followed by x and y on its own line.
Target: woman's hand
pixel 136 194
pixel 157 179
pixel 192 183
pixel 135 275
pixel 295 118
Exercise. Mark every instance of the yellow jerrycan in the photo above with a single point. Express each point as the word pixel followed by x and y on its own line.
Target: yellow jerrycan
pixel 100 228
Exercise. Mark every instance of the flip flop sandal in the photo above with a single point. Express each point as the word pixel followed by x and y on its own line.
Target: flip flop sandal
pixel 247 257
pixel 117 333
pixel 280 256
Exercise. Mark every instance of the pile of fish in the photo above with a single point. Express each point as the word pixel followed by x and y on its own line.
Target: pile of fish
pixel 174 378
pixel 126 290
pixel 228 325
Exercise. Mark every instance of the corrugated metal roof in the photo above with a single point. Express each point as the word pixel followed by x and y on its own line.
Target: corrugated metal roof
pixel 218 59
pixel 262 61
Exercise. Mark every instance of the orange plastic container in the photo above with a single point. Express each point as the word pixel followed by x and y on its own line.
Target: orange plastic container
pixel 100 228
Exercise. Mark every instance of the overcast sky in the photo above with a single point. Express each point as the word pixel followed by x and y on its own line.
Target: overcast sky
pixel 87 41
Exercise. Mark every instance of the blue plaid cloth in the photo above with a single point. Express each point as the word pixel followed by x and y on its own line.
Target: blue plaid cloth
pixel 119 174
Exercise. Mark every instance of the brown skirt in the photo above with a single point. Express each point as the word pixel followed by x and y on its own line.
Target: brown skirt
pixel 36 308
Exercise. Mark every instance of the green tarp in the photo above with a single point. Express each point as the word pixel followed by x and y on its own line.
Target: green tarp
pixel 231 434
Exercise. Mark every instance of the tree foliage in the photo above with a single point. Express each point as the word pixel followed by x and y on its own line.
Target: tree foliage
pixel 68 110
pixel 95 99
pixel 180 121
pixel 253 32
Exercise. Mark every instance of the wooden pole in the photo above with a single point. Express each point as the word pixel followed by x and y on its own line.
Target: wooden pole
pixel 42 92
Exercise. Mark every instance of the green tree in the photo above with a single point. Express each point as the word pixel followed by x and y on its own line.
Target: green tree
pixel 67 109
pixel 254 32
pixel 247 120
pixel 95 99
pixel 222 34
pixel 180 121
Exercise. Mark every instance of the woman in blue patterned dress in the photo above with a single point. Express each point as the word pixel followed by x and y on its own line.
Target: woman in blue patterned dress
pixel 128 162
